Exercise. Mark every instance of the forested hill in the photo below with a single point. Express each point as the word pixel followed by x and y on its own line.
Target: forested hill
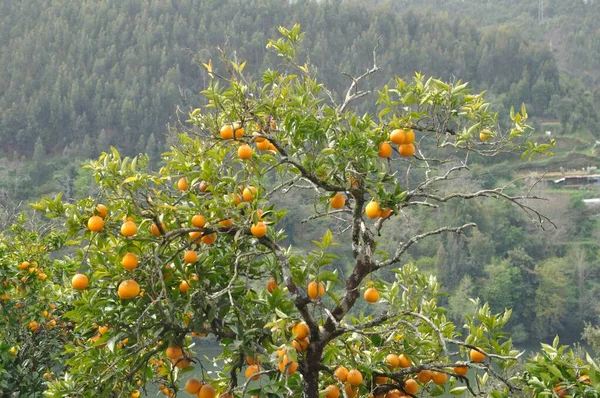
pixel 86 74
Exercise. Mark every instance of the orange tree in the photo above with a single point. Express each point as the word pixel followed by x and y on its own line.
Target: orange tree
pixel 32 330
pixel 165 258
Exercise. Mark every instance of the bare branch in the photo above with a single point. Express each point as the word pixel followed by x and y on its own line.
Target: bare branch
pixel 353 94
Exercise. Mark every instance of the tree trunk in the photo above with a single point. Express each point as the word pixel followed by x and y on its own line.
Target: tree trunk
pixel 310 370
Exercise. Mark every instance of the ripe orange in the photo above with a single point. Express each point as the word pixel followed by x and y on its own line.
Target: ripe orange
pixel 251 361
pixel 190 257
pixel 102 210
pixel 585 379
pixel 439 378
pixel 209 239
pixel 372 209
pixel 135 394
pixel 371 295
pixel 263 145
pixel 461 370
pixel 156 231
pixel 273 147
pixel 411 386
pixel 485 135
pixel 227 132
pixel 182 363
pixel 381 380
pixel 237 199
pixel 354 377
pixel 195 236
pixel 410 137
pixel 398 136
pixel 259 229
pixel 33 325
pixel 341 373
pixel 476 356
pixel 385 213
pixel 291 368
pixel 392 360
pixel 174 352
pixel 406 150
pixel 238 131
pixel 315 290
pixel 182 184
pixel 249 194
pixel 79 281
pixel 95 223
pixel 351 391
pixel 338 201
pixel 128 289
pixel 129 261
pixel 193 386
pixel 128 228
pixel 385 150
pixel 252 370
pixel 271 285
pixel 198 221
pixel 184 287
pixel 245 152
pixel 24 265
pixel 425 376
pixel 301 344
pixel 103 329
pixel 207 391
pixel 560 391
pixel 301 330
pixel 405 361
pixel 332 391
pixel 228 222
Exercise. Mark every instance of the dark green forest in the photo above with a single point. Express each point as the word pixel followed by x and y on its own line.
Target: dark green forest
pixel 79 76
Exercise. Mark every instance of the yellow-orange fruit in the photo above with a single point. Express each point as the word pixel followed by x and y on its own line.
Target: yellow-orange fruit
pixel 338 201
pixel 190 257
pixel 392 360
pixel 371 295
pixel 461 370
pixel 405 361
pixel 406 150
pixel 251 371
pixel 301 344
pixel 315 290
pixel 227 132
pixel 95 223
pixel 245 152
pixel 238 131
pixel 439 378
pixel 209 239
pixel 103 329
pixel 385 150
pixel 182 184
pixel 425 376
pixel 184 286
pixel 198 221
pixel 128 289
pixel 79 282
pixel 174 352
pixel 226 223
pixel 193 386
pixel 134 394
pixel 301 330
pixel 156 231
pixel 259 229
pixel 102 210
pixel 372 209
pixel 354 377
pixel 476 356
pixel 410 136
pixel 128 228
pixel 411 386
pixel 341 373
pixel 351 391
pixel 207 391
pixel 381 379
pixel 398 136
pixel 249 194
pixel 271 285
pixel 385 213
pixel 129 261
pixel 332 391
pixel 263 145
